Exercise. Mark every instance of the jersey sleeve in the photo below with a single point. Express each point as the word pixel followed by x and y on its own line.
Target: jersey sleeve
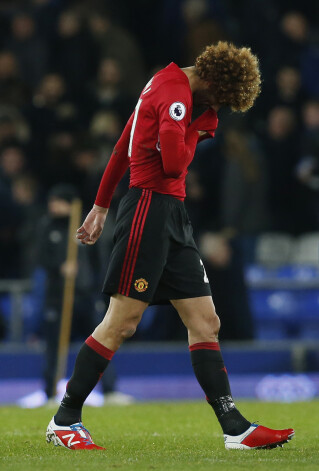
pixel 115 169
pixel 177 146
pixel 208 122
pixel 177 151
pixel 174 102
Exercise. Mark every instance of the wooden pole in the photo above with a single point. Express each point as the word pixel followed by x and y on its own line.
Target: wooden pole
pixel 68 294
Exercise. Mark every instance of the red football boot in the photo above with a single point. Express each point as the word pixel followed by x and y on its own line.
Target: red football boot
pixel 73 437
pixel 257 437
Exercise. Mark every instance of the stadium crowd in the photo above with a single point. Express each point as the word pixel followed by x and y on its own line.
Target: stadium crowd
pixel 70 75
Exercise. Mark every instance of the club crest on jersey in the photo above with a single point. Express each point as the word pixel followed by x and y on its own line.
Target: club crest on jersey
pixel 177 111
pixel 141 285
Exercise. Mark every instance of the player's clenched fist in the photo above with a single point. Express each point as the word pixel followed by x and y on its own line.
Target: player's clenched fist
pixel 93 225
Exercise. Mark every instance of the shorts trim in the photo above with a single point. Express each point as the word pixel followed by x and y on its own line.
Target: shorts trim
pixel 134 242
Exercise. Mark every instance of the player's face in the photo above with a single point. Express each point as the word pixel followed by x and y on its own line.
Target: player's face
pixel 205 97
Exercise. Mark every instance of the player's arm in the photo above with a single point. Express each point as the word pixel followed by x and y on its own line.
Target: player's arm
pixel 177 147
pixel 93 225
pixel 177 151
pixel 205 124
pixel 178 140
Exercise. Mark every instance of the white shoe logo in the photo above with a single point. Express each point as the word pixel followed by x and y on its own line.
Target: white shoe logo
pixel 70 436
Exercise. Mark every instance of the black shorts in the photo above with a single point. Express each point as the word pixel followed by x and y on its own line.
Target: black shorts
pixel 154 258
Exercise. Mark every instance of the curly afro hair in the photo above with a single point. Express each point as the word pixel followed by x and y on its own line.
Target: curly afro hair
pixel 233 74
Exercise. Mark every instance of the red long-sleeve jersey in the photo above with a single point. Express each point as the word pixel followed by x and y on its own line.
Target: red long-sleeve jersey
pixel 158 143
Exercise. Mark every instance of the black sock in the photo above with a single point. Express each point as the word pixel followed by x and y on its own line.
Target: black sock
pixel 90 364
pixel 212 375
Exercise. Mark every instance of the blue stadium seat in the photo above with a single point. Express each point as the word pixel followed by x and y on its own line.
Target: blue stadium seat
pixel 292 312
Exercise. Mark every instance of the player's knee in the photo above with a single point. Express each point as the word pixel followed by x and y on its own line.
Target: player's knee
pixel 128 328
pixel 117 328
pixel 216 324
pixel 128 331
pixel 207 329
pixel 212 326
pixel 118 333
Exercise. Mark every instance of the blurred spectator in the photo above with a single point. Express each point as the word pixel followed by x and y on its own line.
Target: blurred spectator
pixel 300 48
pixel 244 186
pixel 45 13
pixel 288 89
pixel 59 167
pixel 25 195
pixel 307 169
pixel 201 28
pixel 308 166
pixel 222 257
pixel 87 173
pixel 310 137
pixel 12 163
pixel 310 70
pixel 13 128
pixel 9 246
pixel 108 92
pixel 227 201
pixel 281 147
pixel 116 43
pixel 105 130
pixel 52 237
pixel 73 54
pixel 295 30
pixel 187 25
pixel 51 243
pixel 29 49
pixel 285 90
pixel 13 90
pixel 52 111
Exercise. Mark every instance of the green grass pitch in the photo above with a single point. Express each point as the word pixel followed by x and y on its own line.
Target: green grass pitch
pixel 179 436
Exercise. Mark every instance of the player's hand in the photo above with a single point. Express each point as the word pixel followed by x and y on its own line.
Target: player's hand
pixel 93 225
pixel 216 249
pixel 207 122
pixel 203 135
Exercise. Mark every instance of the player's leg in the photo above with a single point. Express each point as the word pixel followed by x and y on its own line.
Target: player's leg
pixel 133 273
pixel 119 323
pixel 202 322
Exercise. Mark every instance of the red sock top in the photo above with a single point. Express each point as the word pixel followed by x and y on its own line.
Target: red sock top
pixel 99 348
pixel 204 346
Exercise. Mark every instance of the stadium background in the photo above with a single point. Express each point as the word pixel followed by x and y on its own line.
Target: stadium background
pixel 70 75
